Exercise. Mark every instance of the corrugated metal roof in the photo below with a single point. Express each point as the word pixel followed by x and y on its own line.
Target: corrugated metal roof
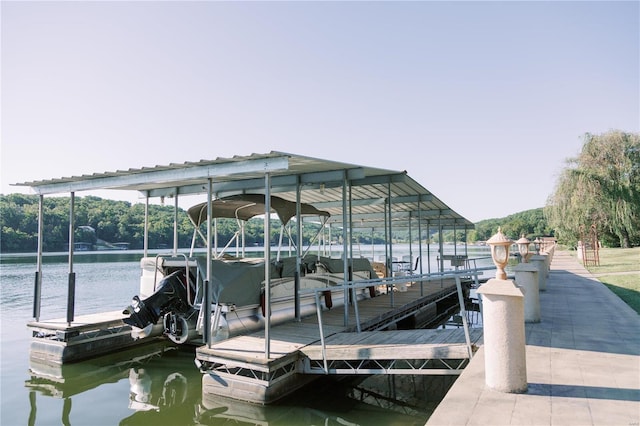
pixel 321 183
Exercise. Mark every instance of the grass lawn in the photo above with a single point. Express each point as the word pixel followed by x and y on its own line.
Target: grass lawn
pixel 618 270
pixel 617 260
pixel 626 287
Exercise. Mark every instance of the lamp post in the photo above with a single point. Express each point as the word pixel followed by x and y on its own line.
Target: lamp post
pixel 503 319
pixel 523 248
pixel 536 243
pixel 500 244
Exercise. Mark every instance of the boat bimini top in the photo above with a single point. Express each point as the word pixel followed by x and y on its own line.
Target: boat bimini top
pixel 243 207
pixel 246 206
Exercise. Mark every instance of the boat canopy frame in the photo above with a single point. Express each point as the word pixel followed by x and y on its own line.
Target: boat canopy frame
pixel 320 180
pixel 243 207
pixel 353 196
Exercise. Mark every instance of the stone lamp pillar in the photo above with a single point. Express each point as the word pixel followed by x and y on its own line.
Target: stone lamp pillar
pixel 540 261
pixel 504 332
pixel 527 280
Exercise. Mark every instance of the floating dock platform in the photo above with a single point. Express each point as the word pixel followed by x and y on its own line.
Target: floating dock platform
pixel 238 368
pixel 59 342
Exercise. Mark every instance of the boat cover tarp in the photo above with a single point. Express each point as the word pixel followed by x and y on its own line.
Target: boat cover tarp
pixel 246 206
pixel 240 282
pixel 336 266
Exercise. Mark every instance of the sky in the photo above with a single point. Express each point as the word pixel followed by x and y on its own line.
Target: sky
pixel 480 102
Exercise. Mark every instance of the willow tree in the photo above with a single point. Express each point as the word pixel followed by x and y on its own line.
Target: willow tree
pixel 601 186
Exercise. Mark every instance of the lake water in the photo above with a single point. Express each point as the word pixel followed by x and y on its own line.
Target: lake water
pixel 160 386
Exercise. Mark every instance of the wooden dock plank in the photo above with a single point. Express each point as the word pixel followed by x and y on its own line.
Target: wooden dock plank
pixel 285 341
pixel 80 322
pixel 403 336
pixel 397 344
pixel 388 352
pixel 379 306
pixel 288 338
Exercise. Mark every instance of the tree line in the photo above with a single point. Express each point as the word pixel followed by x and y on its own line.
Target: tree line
pixel 100 222
pixel 530 223
pixel 599 187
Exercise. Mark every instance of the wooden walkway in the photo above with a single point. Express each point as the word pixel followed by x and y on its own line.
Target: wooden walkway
pixel 81 323
pixel 396 344
pixel 379 311
pixel 239 367
pixel 290 337
pixel 414 352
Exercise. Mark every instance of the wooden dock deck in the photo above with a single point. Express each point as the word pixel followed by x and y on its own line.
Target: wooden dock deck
pixel 396 344
pixel 238 367
pixel 58 342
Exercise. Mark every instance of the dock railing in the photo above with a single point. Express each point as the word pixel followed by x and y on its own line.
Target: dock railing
pixel 390 282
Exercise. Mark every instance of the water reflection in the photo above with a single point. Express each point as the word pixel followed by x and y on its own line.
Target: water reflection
pixel 165 387
pixel 143 396
pixel 63 381
pixel 161 377
pixel 327 401
pixel 159 394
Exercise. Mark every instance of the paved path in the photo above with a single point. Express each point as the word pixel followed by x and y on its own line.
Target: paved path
pixel 583 362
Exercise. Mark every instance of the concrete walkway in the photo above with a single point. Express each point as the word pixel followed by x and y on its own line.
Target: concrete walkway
pixel 583 362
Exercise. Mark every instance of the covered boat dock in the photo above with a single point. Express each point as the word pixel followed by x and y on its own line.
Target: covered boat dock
pixel 356 197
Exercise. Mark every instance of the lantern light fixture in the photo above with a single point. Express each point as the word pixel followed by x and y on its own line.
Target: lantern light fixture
pixel 523 248
pixel 537 242
pixel 500 245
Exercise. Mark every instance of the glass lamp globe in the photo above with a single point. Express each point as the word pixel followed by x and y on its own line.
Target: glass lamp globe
pixel 536 243
pixel 523 248
pixel 500 244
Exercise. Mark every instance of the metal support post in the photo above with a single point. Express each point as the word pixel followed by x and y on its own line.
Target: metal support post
pixel 267 263
pixel 71 293
pixel 37 293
